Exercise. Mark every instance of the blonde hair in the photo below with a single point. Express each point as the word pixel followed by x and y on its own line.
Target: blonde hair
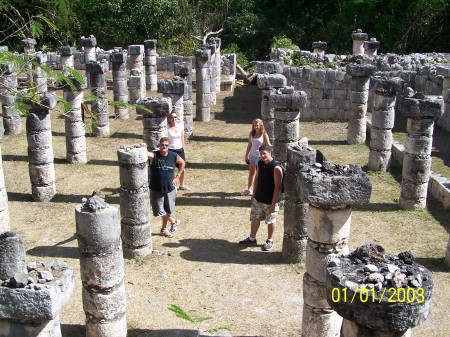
pixel 260 122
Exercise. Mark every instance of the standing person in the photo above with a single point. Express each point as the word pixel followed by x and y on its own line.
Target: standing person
pixel 176 144
pixel 257 137
pixel 267 197
pixel 163 182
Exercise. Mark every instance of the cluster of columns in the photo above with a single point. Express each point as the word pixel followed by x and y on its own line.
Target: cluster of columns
pixel 8 87
pixel 363 46
pixel 151 77
pixel 184 71
pixel 203 84
pixel 134 200
pixel 420 112
pixel 120 84
pixel 136 82
pixel 154 119
pixel 99 107
pixel 101 268
pixel 331 191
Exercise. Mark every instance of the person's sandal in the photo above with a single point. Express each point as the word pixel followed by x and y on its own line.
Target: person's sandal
pixel 247 241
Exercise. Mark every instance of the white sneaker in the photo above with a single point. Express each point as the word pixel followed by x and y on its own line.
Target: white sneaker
pixel 247 192
pixel 174 226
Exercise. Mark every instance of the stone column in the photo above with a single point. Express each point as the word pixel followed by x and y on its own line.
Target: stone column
pixel 74 125
pixel 151 77
pixel 295 211
pixel 331 191
pixel 174 89
pixel 134 201
pixel 358 38
pixel 120 83
pixel 212 71
pixel 286 104
pixel 154 119
pixel 371 47
pixel 39 74
pixel 420 112
pixel 29 50
pixel 319 48
pixel 203 84
pixel 32 295
pixel 101 268
pixel 383 118
pixel 184 71
pixel 216 62
pixel 88 45
pixel 136 83
pixel 444 71
pixel 40 149
pixel 4 212
pixel 8 87
pixel 360 74
pixel 393 296
pixel 99 108
pixel 269 78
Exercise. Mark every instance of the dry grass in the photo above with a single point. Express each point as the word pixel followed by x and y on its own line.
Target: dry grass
pixel 202 268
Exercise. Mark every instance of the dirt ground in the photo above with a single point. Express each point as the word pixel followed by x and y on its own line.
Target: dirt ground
pixel 202 269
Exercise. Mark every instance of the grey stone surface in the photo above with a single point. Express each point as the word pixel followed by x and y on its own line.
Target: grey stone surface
pixel 269 67
pixel 421 106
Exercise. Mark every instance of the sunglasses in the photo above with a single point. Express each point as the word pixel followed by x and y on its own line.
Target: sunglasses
pixel 163 145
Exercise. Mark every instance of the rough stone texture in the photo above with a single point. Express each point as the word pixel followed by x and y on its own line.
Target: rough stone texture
pixel 269 67
pixel 120 85
pixel 184 71
pixel 8 85
pixel 203 84
pixel 150 64
pixel 266 81
pixel 99 108
pixel 154 119
pixel 4 212
pixel 358 37
pixel 137 87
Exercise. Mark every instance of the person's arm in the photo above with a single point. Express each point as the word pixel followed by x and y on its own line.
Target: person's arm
pixel 278 178
pixel 182 139
pixel 181 164
pixel 150 154
pixel 249 146
pixel 267 139
pixel 255 184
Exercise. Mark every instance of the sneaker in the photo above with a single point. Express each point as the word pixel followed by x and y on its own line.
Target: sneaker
pixel 174 226
pixel 247 241
pixel 184 188
pixel 165 232
pixel 247 192
pixel 268 245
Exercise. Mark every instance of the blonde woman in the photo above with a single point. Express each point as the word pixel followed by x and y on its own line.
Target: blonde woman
pixel 175 134
pixel 257 137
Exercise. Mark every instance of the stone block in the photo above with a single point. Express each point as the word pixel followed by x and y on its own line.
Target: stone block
pixel 66 50
pixel 269 67
pixel 289 102
pixel 88 41
pixel 150 44
pixel 329 226
pixel 136 49
pixel 202 56
pixel 360 70
pixel 175 86
pixel 314 292
pixel 159 107
pixel 97 67
pixel 429 106
pixel 119 57
pixel 265 81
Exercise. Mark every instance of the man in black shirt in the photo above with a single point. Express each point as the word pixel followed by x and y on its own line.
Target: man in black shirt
pixel 266 198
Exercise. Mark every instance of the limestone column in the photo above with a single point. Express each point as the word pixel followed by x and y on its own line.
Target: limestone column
pixel 32 295
pixel 216 62
pixel 137 73
pixel 212 71
pixel 88 45
pixel 383 118
pixel 74 125
pixel 29 51
pixel 393 296
pixel 134 201
pixel 151 77
pixel 270 77
pixel 154 119
pixel 444 71
pixel 184 70
pixel 420 112
pixel 174 89
pixel 101 268
pixel 39 74
pixel 359 87
pixel 331 191
pixel 99 108
pixel 319 48
pixel 295 211
pixel 8 88
pixel 286 104
pixel 120 84
pixel 358 37
pixel 40 149
pixel 371 47
pixel 203 84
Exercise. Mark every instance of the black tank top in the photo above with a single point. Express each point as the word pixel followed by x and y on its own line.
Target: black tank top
pixel 266 182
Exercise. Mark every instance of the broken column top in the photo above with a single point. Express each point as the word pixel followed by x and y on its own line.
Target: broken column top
pixel 360 69
pixel 443 70
pixel 287 99
pixel 90 41
pixel 182 69
pixel 203 54
pixel 28 43
pixel 299 156
pixel 385 87
pixel 155 107
pixel 359 35
pixel 119 56
pixel 12 259
pixel 136 49
pixel 67 50
pixel 174 86
pixel 421 106
pixel 215 40
pixel 319 45
pixel 372 44
pixel 327 184
pixel 384 292
pixel 267 81
pixel 150 44
pixel 269 67
pixel 97 67
pixel 132 154
pixel 95 203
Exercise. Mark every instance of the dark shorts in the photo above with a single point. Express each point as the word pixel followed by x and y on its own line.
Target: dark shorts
pixel 163 203
pixel 181 153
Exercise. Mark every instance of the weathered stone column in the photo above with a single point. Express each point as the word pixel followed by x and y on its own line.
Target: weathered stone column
pixel 379 294
pixel 420 112
pixel 269 78
pixel 29 50
pixel 383 118
pixel 360 74
pixel 184 70
pixel 319 48
pixel 101 268
pixel 136 84
pixel 358 37
pixel 444 71
pixel 134 200
pixel 155 122
pixel 39 74
pixel 216 62
pixel 331 191
pixel 174 89
pixel 371 47
pixel 151 77
pixel 295 211
pixel 8 87
pixel 203 84
pixel 99 108
pixel 32 296
pixel 74 125
pixel 88 45
pixel 40 149
pixel 212 71
pixel 120 83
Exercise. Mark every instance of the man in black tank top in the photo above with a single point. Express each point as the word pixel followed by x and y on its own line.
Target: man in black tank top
pixel 266 198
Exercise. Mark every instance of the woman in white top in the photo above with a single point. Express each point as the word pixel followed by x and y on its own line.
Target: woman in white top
pixel 175 133
pixel 257 137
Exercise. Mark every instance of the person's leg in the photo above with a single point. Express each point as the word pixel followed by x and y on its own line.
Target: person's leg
pixel 251 176
pixel 169 207
pixel 270 231
pixel 254 226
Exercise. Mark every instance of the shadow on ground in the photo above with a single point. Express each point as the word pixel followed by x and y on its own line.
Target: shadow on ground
pixel 242 107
